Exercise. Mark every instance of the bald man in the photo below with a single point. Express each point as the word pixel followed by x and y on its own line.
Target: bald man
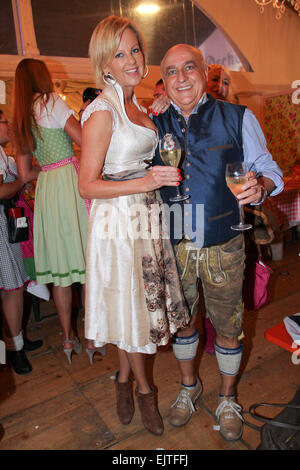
pixel 211 133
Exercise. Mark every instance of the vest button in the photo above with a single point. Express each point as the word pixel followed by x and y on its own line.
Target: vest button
pixel 183 129
pixel 187 177
pixel 189 153
pixel 188 164
pixel 187 189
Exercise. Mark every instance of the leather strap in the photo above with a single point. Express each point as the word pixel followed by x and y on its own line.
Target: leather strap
pixel 273 422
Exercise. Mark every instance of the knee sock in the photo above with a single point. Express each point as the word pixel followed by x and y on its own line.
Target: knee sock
pixel 229 360
pixel 185 348
pixel 15 343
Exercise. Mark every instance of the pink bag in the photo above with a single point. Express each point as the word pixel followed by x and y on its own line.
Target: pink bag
pixel 255 288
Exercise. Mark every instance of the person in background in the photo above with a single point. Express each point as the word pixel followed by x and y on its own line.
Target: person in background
pixel 133 299
pixel 211 133
pixel 88 95
pixel 219 83
pixel 45 127
pixel 161 101
pixel 13 276
pixel 159 89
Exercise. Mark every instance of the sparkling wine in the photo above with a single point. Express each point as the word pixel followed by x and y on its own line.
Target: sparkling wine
pixel 235 184
pixel 170 152
pixel 171 157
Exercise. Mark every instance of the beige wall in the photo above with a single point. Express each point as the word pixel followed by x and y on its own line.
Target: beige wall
pixel 271 46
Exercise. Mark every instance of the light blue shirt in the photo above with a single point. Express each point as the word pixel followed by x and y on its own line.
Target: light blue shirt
pixel 256 153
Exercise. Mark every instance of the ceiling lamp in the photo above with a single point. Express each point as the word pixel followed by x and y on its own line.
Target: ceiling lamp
pixel 147 8
pixel 279 5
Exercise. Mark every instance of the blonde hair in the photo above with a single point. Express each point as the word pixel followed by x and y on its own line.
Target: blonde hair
pixel 105 41
pixel 218 68
pixel 212 68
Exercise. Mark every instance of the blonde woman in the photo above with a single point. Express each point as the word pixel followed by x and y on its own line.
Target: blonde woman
pixel 133 295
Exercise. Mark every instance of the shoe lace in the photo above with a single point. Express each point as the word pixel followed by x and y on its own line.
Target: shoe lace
pixel 230 407
pixel 184 401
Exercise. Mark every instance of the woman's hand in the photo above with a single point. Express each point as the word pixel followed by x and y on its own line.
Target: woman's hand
pixel 8 190
pixel 252 191
pixel 160 176
pixel 160 105
pixel 26 170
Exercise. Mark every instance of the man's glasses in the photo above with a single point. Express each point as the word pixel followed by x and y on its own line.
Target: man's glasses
pixel 4 122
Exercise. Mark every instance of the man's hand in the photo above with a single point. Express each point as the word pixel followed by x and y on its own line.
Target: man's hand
pixel 253 191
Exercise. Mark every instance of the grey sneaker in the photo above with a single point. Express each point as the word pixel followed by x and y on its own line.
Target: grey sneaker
pixel 230 419
pixel 182 409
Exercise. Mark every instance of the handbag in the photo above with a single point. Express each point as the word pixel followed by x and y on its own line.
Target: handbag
pixel 257 273
pixel 255 288
pixel 17 224
pixel 281 432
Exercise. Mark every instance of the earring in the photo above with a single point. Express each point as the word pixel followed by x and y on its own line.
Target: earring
pixel 108 79
pixel 147 72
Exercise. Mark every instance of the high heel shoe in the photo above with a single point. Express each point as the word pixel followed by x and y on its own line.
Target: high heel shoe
pixel 76 346
pixel 92 351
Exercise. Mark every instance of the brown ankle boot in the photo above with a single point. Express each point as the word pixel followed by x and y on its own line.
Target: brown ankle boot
pixel 125 404
pixel 151 418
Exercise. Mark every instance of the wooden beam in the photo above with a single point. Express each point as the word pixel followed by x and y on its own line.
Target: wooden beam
pixel 60 67
pixel 24 27
pixel 69 68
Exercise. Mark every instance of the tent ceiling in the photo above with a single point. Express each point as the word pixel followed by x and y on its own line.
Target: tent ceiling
pixel 8 43
pixel 64 28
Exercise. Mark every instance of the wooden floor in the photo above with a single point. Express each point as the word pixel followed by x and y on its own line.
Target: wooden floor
pixel 59 406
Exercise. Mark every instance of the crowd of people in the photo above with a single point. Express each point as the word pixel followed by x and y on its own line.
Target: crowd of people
pixel 102 222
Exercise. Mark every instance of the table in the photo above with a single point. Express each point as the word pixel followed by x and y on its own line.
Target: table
pixel 286 206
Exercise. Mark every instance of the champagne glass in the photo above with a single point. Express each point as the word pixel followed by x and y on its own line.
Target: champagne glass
pixel 235 178
pixel 170 152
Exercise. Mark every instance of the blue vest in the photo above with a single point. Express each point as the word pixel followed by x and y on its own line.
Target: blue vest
pixel 209 139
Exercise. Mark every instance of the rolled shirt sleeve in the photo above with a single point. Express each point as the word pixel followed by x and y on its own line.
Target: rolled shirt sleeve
pixel 256 153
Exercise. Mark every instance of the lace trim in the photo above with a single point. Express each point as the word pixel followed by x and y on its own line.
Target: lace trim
pixel 149 348
pixel 99 104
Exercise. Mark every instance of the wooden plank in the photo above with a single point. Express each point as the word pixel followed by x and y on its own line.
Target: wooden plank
pixel 47 380
pixel 74 406
pixel 66 422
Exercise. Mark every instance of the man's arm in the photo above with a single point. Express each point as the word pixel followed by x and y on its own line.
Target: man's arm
pixel 256 153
